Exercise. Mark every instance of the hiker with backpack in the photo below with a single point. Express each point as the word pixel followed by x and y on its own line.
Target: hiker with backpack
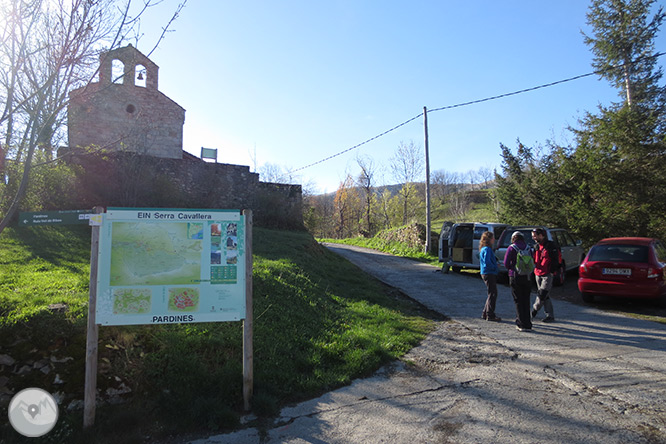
pixel 489 271
pixel 547 262
pixel 519 263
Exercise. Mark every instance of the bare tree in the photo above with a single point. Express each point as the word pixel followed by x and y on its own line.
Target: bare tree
pixel 444 183
pixel 473 178
pixel 313 209
pixel 346 205
pixel 407 166
pixel 48 48
pixel 485 175
pixel 270 172
pixel 365 182
pixel 460 204
pixel 384 211
pixel 319 215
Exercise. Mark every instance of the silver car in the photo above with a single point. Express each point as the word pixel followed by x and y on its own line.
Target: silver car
pixel 572 251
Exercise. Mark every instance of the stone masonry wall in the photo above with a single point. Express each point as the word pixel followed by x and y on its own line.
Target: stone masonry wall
pixel 126 179
pixel 126 117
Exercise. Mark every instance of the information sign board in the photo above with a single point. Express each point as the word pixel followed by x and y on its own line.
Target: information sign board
pixel 160 266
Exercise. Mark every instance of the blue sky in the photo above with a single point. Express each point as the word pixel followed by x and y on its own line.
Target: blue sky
pixel 290 83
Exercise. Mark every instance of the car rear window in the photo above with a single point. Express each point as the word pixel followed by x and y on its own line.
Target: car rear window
pixel 660 251
pixel 619 253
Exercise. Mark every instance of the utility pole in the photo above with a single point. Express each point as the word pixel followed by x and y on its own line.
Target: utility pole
pixel 427 180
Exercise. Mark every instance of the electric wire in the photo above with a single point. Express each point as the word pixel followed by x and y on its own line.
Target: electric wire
pixel 359 145
pixel 474 102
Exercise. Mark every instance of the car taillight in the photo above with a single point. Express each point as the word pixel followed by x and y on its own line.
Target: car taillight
pixel 582 269
pixel 655 273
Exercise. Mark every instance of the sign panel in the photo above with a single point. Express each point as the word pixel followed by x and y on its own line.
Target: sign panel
pixel 161 266
pixel 64 217
pixel 209 153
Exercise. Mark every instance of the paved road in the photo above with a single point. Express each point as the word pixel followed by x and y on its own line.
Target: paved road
pixel 591 377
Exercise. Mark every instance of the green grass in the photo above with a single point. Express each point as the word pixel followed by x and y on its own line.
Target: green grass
pixel 319 323
pixel 38 269
pixel 395 248
pixel 644 317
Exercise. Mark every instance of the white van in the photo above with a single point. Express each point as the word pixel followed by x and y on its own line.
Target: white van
pixel 459 243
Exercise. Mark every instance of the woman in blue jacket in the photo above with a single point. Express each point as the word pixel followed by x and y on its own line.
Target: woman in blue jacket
pixel 489 272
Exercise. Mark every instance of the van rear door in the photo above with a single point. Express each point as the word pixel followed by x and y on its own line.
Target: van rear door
pixel 462 243
pixel 444 251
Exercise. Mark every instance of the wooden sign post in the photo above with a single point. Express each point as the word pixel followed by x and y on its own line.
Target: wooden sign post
pixel 92 337
pixel 248 349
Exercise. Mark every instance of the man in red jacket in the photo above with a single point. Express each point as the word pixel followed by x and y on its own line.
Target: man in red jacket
pixel 546 261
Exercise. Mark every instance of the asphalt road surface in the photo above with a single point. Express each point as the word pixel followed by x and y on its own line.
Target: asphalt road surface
pixel 590 377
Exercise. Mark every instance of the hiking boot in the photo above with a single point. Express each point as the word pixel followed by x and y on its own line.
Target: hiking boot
pixel 494 319
pixel 548 319
pixel 522 329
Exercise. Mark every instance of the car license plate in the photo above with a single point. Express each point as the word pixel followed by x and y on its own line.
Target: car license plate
pixel 617 271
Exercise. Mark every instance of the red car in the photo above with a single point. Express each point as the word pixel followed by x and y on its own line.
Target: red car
pixel 633 267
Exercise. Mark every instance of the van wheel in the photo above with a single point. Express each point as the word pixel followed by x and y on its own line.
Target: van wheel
pixel 587 297
pixel 456 269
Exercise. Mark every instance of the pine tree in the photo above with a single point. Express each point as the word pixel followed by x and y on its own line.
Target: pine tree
pixel 620 157
pixel 611 181
pixel 623 46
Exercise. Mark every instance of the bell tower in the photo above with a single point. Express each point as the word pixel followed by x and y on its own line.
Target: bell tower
pixel 124 110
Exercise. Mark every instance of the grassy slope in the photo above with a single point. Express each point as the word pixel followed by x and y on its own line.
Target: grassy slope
pixel 395 248
pixel 319 322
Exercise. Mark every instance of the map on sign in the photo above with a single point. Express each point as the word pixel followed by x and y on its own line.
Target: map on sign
pixel 183 299
pixel 154 253
pixel 130 301
pixel 161 266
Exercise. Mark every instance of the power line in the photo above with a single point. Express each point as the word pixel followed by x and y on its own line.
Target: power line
pixel 473 102
pixel 359 145
pixel 501 96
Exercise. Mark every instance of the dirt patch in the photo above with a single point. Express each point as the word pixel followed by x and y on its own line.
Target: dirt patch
pixel 452 346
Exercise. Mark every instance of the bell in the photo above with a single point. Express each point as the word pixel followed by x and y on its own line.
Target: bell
pixel 140 76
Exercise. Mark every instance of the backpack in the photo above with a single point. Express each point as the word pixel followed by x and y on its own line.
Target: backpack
pixel 524 261
pixel 555 254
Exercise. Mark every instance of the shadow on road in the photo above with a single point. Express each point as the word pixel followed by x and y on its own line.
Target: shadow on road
pixel 569 292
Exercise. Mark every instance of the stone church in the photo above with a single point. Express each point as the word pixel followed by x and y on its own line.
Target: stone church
pixel 127 138
pixel 127 112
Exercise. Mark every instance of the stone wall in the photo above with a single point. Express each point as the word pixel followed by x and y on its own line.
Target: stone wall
pixel 127 179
